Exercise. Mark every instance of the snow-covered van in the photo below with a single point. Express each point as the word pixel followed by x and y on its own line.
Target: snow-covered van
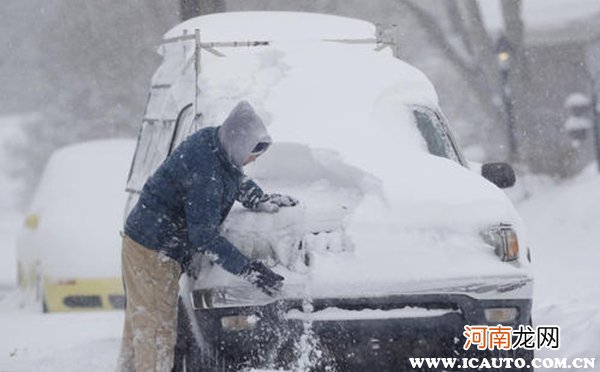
pixel 396 244
pixel 68 250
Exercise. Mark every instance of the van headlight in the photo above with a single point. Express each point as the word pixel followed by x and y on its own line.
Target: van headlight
pixel 503 238
pixel 239 322
pixel 501 315
pixel 229 297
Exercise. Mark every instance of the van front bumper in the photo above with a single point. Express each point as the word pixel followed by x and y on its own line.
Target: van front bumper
pixel 275 339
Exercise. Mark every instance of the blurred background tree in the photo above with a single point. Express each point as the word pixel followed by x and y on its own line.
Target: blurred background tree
pixel 82 67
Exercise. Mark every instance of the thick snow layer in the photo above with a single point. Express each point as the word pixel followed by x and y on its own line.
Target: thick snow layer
pixel 67 342
pixel 251 26
pixel 347 238
pixel 564 224
pixel 563 221
pixel 80 203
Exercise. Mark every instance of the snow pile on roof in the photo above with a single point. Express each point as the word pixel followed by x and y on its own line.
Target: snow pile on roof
pixel 252 26
pixel 80 203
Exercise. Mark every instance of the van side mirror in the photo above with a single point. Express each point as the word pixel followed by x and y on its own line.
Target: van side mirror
pixel 500 174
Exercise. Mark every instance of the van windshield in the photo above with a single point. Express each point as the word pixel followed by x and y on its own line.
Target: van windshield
pixel 433 130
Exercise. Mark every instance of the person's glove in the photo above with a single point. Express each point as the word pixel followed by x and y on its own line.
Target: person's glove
pixel 271 203
pixel 192 265
pixel 262 277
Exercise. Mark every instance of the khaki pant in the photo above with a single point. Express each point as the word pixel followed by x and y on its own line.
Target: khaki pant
pixel 151 287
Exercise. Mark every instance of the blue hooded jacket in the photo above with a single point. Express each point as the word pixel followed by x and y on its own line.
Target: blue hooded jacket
pixel 184 202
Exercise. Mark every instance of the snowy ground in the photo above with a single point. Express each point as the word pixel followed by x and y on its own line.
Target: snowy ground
pixel 564 224
pixel 563 221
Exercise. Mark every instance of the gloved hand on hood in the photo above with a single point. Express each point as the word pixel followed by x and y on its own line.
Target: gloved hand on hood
pixel 262 277
pixel 271 203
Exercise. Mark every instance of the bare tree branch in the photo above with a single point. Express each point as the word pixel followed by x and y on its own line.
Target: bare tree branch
pixel 484 90
pixel 483 46
pixel 513 24
pixel 519 72
pixel 439 36
pixel 457 24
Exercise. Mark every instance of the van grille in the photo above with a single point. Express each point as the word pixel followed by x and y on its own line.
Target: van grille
pixel 82 301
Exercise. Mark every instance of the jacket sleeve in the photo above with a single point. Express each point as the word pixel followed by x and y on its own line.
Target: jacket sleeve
pixel 203 200
pixel 249 194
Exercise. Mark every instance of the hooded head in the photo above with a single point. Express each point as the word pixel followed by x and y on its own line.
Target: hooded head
pixel 241 132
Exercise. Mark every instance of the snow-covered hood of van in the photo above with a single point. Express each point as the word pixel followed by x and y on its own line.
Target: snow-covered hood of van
pixel 353 235
pixel 375 208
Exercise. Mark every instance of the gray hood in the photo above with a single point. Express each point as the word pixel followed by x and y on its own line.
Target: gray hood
pixel 241 132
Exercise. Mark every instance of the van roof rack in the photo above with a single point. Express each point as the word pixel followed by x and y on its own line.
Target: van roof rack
pixel 383 38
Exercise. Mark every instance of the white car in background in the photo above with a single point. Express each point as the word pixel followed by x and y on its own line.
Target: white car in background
pixel 68 251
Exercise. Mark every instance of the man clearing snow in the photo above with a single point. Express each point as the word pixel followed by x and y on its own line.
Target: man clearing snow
pixel 178 215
